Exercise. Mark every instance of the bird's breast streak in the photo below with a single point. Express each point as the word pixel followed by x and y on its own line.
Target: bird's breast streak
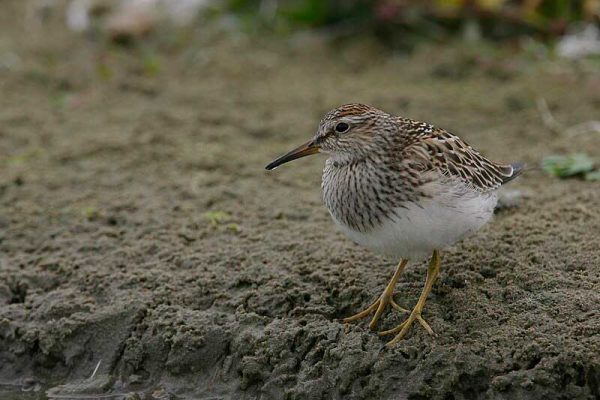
pixel 416 230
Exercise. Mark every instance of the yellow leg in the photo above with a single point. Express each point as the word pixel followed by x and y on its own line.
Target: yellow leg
pixel 379 305
pixel 386 298
pixel 432 273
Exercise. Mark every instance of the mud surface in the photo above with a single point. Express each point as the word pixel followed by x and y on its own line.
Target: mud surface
pixel 140 235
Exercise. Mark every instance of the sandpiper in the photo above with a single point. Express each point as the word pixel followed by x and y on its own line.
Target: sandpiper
pixel 402 188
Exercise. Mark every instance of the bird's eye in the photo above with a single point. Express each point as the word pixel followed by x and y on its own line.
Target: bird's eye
pixel 342 127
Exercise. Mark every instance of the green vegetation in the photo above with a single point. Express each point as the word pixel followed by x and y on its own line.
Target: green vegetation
pixel 437 18
pixel 217 217
pixel 565 166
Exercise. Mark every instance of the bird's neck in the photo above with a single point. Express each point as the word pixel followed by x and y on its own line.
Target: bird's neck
pixel 342 159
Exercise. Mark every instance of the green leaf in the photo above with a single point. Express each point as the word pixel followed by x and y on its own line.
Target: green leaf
pixel 593 176
pixel 216 217
pixel 564 166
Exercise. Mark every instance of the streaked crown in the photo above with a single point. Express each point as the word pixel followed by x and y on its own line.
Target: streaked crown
pixel 352 128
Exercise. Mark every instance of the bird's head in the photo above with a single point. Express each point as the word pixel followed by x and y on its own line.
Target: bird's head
pixel 346 133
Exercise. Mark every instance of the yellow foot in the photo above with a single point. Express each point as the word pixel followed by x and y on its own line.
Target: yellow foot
pixel 402 329
pixel 378 306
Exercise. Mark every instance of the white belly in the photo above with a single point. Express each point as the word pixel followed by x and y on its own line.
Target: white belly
pixel 436 223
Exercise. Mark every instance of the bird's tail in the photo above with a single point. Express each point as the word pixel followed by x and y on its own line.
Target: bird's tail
pixel 512 171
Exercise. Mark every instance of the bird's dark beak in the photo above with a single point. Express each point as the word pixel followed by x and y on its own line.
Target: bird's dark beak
pixel 304 150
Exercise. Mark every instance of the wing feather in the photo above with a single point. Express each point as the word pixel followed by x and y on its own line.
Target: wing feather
pixel 438 149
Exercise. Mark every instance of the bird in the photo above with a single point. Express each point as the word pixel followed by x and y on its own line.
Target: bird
pixel 404 189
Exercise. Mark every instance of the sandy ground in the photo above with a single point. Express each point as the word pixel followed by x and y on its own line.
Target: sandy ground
pixel 109 165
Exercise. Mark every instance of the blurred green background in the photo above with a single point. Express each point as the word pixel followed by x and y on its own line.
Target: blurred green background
pixel 425 18
pixel 396 22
